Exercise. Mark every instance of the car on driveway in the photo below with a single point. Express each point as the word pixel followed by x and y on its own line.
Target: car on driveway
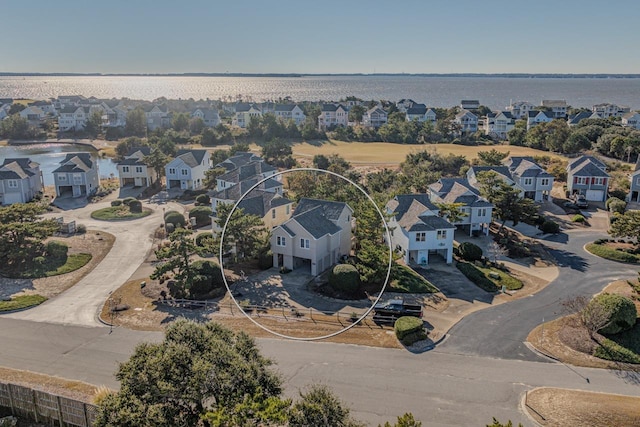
pixel 582 202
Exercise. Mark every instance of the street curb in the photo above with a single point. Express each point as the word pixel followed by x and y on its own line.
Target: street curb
pixel 540 352
pixel 523 407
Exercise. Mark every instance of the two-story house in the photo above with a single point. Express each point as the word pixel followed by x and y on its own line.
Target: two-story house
pixel 558 107
pixel 47 107
pixel 587 176
pixel 606 110
pixel 417 231
pixel 239 159
pixel 574 119
pixel 535 182
pixel 77 176
pixel 256 169
pixel 502 172
pixel 271 207
pixel 535 117
pixel 244 113
pixel 476 210
pixel 631 119
pixel 20 181
pixel 421 113
pixel 289 112
pixel 498 124
pixel 209 116
pixel 32 114
pixel 187 170
pixel 374 117
pixel 132 170
pixel 317 236
pixel 634 188
pixel 72 118
pixel 520 109
pixel 157 116
pixel 404 104
pixel 333 115
pixel 467 121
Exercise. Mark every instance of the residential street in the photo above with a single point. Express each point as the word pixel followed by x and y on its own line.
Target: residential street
pixel 439 388
pixel 80 304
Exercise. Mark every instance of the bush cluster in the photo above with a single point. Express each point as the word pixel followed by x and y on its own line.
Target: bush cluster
pixel 200 239
pixel 623 313
pixel 578 218
pixel 175 218
pixel 344 278
pixel 550 227
pixel 476 276
pixel 203 199
pixel 135 206
pixel 207 279
pixel 409 329
pixel 128 200
pixel 202 214
pixel 116 202
pixel 470 252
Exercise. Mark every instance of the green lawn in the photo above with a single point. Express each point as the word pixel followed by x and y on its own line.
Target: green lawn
pixel 612 254
pixel 623 347
pixel 481 276
pixel 115 213
pixel 21 301
pixel 54 267
pixel 404 279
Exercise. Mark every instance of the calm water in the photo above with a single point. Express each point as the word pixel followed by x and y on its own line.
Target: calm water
pixel 495 92
pixel 50 155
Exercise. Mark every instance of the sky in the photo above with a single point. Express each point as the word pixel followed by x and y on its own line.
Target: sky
pixel 320 36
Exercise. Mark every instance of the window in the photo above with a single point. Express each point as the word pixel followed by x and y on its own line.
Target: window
pixel 482 212
pixel 599 181
pixel 125 169
pixel 138 169
pixel 421 237
pixel 273 214
pixel 281 241
pixel 528 181
pixel 544 181
pixel 185 172
pixel 12 183
pixel 304 243
pixel 172 171
pixel 62 177
pixel 77 178
pixel 442 234
pixel 581 180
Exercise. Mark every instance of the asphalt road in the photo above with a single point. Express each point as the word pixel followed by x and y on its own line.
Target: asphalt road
pixel 441 389
pixel 500 331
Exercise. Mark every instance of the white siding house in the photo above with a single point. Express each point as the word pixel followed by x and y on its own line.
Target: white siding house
pixel 132 170
pixel 76 176
pixel 187 170
pixel 20 181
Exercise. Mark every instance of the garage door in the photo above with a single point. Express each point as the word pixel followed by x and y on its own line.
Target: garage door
pixel 595 195
pixel 10 198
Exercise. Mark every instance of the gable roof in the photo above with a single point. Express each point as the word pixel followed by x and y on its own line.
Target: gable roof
pixel 330 209
pixel 587 166
pixel 414 212
pixel 17 168
pixel 417 110
pixel 458 190
pixel 525 166
pixel 315 222
pixel 239 159
pixel 579 160
pixel 285 107
pixel 75 162
pixel 191 157
pixel 503 171
pixel 145 150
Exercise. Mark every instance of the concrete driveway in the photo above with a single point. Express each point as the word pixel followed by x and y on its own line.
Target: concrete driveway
pixel 80 304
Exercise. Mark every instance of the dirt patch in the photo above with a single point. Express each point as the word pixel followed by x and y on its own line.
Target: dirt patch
pixel 96 243
pixel 145 313
pixel 72 389
pixel 562 407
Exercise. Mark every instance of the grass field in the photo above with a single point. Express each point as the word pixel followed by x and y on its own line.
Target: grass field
pixel 404 279
pixel 21 301
pixel 385 153
pixel 116 213
pixel 74 262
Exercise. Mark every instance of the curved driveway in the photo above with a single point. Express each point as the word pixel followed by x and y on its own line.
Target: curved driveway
pixel 500 331
pixel 80 304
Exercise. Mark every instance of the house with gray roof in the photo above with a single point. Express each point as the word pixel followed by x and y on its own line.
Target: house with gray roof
pixel 467 121
pixel 374 117
pixel 631 119
pixel 332 115
pixel 574 119
pixel 535 182
pixel 587 176
pixel 244 112
pixel 421 113
pixel 20 181
pixel 289 112
pixel 187 170
pixel 239 159
pixel 417 230
pixel 133 171
pixel 77 176
pixel 209 116
pixel 271 207
pixel 634 189
pixel 317 236
pixel 497 125
pixel 535 117
pixel 476 210
pixel 258 169
pixel 558 107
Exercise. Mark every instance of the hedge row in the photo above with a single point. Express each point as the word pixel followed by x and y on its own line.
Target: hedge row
pixel 476 276
pixel 409 329
pixel 612 254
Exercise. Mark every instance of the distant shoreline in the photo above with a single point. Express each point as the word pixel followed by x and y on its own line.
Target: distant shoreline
pixel 290 75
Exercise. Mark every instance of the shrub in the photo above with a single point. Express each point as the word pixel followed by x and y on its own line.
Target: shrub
pixel 56 250
pixel 409 329
pixel 612 254
pixel 81 229
pixel 203 199
pixel 470 252
pixel 618 194
pixel 476 276
pixel 116 202
pixel 265 260
pixel 550 227
pixel 170 228
pixel 128 200
pixel 618 206
pixel 175 218
pixel 609 200
pixel 201 237
pixel 623 313
pixel 135 206
pixel 578 218
pixel 202 214
pixel 345 278
pixel 208 278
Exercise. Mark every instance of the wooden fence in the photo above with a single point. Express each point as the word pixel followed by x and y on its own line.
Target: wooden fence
pixel 43 407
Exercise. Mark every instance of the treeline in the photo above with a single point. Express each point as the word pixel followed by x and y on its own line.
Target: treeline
pixel 607 136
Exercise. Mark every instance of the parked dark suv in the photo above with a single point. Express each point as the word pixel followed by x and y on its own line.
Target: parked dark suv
pixel 582 202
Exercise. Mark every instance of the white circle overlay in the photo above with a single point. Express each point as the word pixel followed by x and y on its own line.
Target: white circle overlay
pixel 388 238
